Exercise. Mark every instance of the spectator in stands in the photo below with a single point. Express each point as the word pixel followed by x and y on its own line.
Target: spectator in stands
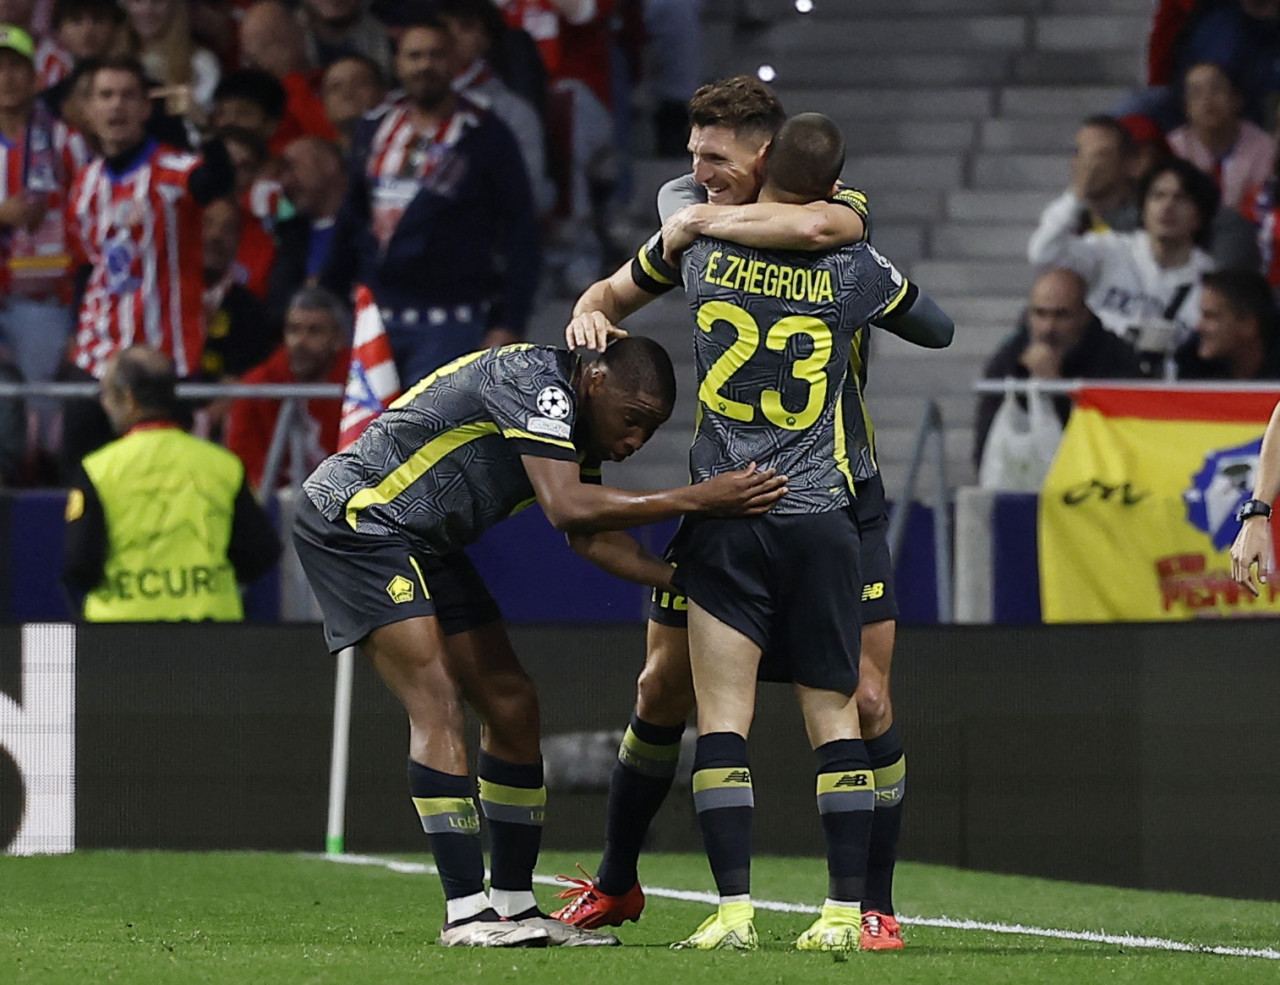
pixel 1237 154
pixel 39 157
pixel 250 99
pixel 314 180
pixel 1243 36
pixel 240 331
pixel 1102 181
pixel 315 350
pixel 271 40
pixel 352 86
pixel 259 196
pixel 1233 240
pixel 1057 338
pixel 169 53
pixel 81 29
pixel 335 28
pixel 1238 335
pixel 474 25
pixel 1143 285
pixel 137 231
pixel 439 220
pixel 161 526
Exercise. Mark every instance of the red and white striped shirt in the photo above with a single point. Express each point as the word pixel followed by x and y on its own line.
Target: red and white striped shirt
pixel 53 62
pixel 43 163
pixel 141 232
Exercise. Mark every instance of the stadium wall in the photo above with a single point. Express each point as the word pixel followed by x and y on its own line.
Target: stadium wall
pixel 1134 755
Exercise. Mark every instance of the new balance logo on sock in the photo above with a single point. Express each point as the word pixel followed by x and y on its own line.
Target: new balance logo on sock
pixel 737 776
pixel 852 780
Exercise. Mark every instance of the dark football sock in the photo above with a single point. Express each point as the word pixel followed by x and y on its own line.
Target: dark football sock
pixel 641 778
pixel 449 818
pixel 890 766
pixel 514 802
pixel 725 803
pixel 846 800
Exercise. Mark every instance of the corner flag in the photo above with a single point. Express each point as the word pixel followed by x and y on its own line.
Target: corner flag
pixel 372 381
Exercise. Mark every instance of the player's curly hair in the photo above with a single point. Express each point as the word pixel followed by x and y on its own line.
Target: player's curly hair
pixel 640 365
pixel 743 103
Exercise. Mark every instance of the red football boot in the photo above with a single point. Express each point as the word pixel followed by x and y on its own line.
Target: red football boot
pixel 881 932
pixel 589 908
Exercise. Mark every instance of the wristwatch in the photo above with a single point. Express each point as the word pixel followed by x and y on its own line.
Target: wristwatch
pixel 1253 507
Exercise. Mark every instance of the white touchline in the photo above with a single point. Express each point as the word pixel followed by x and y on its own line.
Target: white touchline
pixel 947 923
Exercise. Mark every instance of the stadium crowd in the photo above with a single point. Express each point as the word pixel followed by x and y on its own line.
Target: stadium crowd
pixel 1169 221
pixel 175 173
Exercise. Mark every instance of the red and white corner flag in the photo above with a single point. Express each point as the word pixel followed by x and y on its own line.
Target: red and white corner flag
pixel 372 381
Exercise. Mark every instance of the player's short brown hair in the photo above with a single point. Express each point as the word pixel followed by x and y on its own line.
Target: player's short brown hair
pixel 743 104
pixel 805 157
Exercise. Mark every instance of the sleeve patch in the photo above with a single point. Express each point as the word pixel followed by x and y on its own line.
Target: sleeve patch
pixel 549 426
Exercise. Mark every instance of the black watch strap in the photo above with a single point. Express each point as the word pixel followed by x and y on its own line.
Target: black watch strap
pixel 1253 507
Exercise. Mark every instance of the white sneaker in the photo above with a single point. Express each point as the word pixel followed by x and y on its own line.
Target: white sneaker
pixel 493 933
pixel 567 935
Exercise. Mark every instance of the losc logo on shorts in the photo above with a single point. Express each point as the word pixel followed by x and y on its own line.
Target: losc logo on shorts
pixel 400 589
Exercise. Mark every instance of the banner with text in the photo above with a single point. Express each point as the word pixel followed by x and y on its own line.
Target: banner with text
pixel 1137 514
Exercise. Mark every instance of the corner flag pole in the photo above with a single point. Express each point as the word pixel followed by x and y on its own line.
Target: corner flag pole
pixel 335 837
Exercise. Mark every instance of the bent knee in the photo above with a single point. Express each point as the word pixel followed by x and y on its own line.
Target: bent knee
pixel 664 693
pixel 874 708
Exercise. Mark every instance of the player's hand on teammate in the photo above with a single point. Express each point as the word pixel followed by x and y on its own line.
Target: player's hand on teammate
pixel 680 230
pixel 1252 546
pixel 592 330
pixel 746 492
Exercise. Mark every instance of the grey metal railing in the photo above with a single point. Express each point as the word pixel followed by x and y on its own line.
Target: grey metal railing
pixel 931 426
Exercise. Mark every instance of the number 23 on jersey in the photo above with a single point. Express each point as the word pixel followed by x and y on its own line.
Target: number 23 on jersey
pixel 810 369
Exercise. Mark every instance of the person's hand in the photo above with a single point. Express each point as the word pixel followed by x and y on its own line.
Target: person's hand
pixel 747 492
pixel 1252 546
pixel 180 100
pixel 24 211
pixel 679 231
pixel 592 330
pixel 497 337
pixel 1042 360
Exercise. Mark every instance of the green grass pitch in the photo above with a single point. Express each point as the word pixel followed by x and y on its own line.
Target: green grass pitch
pixel 145 918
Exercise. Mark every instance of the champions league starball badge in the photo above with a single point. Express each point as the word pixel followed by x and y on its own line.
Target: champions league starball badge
pixel 553 402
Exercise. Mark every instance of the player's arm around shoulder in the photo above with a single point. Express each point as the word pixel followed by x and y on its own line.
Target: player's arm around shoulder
pixel 813 226
pixel 576 507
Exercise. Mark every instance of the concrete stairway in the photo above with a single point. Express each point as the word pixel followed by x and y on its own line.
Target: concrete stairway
pixel 959 126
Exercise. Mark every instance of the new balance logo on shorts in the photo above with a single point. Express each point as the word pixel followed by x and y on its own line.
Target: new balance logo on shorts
pixel 400 589
pixel 874 590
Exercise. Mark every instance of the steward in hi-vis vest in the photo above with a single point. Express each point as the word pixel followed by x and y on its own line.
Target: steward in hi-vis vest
pixel 161 526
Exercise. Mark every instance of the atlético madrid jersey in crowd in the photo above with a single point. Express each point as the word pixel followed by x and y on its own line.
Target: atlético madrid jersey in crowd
pixel 141 231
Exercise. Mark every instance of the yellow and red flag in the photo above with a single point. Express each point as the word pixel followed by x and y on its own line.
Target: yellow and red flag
pixel 1137 513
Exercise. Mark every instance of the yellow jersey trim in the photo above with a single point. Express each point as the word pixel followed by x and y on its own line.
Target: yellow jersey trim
pixel 417 465
pixel 650 269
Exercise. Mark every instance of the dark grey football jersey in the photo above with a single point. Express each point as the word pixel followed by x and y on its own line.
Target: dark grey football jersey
pixel 859 430
pixel 774 339
pixel 442 464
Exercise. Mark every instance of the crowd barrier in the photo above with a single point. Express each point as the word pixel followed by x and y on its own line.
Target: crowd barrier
pixel 1133 755
pixel 525 562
